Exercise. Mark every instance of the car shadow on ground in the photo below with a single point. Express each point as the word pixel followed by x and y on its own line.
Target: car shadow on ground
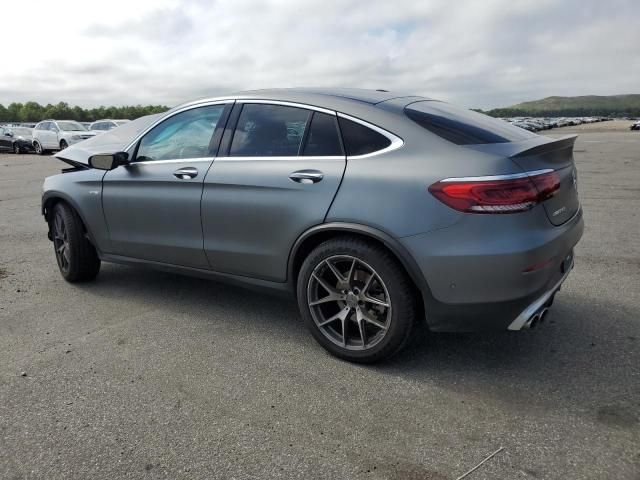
pixel 569 359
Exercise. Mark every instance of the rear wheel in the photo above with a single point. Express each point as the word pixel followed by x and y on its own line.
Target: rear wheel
pixel 16 148
pixel 77 258
pixel 356 300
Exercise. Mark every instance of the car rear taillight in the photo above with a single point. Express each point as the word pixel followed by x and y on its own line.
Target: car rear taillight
pixel 497 194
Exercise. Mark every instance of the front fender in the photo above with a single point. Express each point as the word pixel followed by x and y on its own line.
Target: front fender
pixel 82 190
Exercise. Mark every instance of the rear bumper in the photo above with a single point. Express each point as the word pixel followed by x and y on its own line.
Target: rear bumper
pixel 474 269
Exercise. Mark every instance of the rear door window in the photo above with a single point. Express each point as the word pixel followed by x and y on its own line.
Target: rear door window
pixel 462 126
pixel 269 131
pixel 323 139
pixel 359 139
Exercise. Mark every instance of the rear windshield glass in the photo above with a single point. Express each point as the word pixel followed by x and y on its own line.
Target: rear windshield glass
pixel 462 126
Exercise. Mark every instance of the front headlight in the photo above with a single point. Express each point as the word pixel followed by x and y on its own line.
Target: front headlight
pixel 76 137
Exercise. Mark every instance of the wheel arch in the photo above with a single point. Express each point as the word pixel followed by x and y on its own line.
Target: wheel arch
pixel 49 201
pixel 320 233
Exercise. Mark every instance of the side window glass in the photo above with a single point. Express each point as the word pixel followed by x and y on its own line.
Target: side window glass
pixel 360 140
pixel 323 138
pixel 269 131
pixel 184 135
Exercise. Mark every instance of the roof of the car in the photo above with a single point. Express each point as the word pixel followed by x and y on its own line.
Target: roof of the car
pixel 333 98
pixel 357 94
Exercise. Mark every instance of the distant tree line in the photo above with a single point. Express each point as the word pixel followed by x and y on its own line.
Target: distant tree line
pixel 34 112
pixel 564 112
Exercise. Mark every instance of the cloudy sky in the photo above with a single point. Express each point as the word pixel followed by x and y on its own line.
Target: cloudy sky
pixel 478 53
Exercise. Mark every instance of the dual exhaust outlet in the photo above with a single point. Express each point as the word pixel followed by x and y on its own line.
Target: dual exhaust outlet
pixel 536 318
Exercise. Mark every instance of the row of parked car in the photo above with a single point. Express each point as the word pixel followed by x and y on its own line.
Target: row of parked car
pixel 535 124
pixel 50 135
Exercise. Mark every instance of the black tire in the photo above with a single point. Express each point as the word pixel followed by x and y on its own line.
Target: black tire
pixel 16 148
pixel 38 148
pixel 63 144
pixel 77 258
pixel 394 285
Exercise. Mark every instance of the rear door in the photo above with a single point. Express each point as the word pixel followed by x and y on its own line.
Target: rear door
pixel 152 205
pixel 46 136
pixel 277 172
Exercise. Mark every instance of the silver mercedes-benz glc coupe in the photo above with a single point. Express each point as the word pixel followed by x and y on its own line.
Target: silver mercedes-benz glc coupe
pixel 376 210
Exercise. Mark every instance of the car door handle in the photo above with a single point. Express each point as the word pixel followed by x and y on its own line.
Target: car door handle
pixel 186 173
pixel 307 176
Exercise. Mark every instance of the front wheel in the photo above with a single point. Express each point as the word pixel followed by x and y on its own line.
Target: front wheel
pixel 356 300
pixel 77 258
pixel 16 149
pixel 63 144
pixel 37 146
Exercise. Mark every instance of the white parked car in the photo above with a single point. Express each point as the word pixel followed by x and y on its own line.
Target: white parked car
pixel 106 124
pixel 58 135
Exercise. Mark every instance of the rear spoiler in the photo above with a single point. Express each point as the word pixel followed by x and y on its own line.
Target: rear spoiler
pixel 538 145
pixel 548 147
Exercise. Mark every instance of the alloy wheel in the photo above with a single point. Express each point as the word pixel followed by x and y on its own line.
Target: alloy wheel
pixel 38 148
pixel 349 302
pixel 61 242
pixel 16 149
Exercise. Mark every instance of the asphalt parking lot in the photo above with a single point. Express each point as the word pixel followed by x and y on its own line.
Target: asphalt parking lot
pixel 143 374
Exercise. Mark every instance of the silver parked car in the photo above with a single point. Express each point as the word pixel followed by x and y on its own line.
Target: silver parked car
pixel 58 134
pixel 106 125
pixel 376 210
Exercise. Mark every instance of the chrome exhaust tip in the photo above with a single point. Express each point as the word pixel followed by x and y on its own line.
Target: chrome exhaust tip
pixel 543 314
pixel 532 322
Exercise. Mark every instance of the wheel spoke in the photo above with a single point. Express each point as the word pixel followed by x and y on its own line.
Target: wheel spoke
pixel 329 298
pixel 344 331
pixel 352 271
pixel 341 315
pixel 362 317
pixel 335 271
pixel 363 334
pixel 375 301
pixel 325 285
pixel 368 284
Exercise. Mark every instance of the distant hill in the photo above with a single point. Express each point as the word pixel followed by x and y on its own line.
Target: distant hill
pixel 612 105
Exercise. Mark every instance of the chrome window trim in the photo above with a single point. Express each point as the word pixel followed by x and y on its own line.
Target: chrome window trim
pixel 490 178
pixel 288 158
pixel 177 160
pixel 288 104
pixel 183 109
pixel 396 142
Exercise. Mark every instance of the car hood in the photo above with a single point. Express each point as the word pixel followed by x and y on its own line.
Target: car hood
pixel 112 141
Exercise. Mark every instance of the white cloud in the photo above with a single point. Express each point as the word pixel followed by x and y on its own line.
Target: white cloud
pixel 476 53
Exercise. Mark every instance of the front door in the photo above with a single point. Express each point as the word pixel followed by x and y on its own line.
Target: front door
pixel 276 175
pixel 152 205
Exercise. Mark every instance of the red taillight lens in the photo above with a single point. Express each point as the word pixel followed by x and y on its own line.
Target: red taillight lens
pixel 499 194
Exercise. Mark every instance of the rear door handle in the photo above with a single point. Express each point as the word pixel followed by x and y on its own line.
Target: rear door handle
pixel 306 176
pixel 186 173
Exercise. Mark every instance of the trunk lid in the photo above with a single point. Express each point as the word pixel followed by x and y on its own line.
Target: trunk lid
pixel 543 153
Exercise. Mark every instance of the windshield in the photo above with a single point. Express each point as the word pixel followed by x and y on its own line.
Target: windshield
pixel 21 131
pixel 71 126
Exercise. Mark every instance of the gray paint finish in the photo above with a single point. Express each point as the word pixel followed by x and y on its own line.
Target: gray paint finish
pixel 242 218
